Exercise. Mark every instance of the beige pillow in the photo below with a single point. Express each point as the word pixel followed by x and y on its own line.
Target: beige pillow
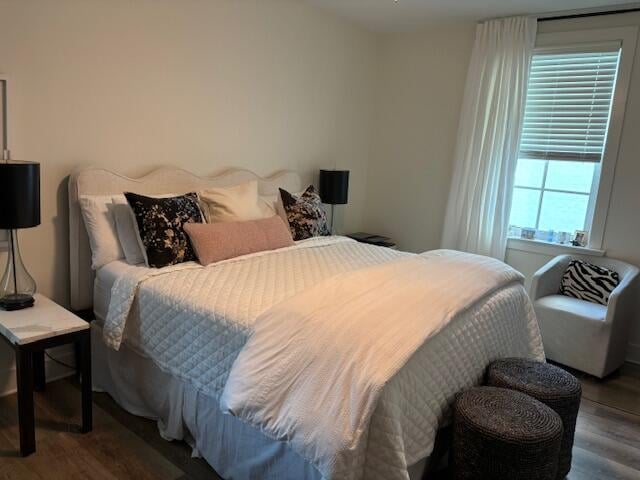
pixel 233 204
pixel 214 242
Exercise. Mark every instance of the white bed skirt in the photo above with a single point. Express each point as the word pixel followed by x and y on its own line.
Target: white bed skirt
pixel 233 449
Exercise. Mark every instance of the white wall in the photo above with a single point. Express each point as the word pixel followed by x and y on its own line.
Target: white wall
pixel 420 82
pixel 420 93
pixel 134 84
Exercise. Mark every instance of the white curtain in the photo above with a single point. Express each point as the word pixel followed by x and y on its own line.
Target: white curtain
pixel 488 137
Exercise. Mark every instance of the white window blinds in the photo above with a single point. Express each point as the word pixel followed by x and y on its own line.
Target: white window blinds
pixel 568 104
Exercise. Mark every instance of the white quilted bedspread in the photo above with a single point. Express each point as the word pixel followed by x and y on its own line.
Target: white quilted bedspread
pixel 193 321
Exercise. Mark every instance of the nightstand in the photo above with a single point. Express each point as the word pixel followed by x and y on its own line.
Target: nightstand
pixel 30 332
pixel 372 239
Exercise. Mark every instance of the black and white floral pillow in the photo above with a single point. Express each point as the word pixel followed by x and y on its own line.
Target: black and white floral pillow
pixel 589 282
pixel 305 214
pixel 160 226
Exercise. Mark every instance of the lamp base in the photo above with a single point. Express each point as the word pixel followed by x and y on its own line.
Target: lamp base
pixel 16 302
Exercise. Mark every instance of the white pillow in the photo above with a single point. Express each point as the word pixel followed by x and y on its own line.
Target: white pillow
pixel 273 205
pixel 127 231
pixel 99 219
pixel 233 204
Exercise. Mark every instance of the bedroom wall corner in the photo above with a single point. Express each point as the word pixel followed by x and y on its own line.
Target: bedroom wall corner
pixel 420 88
pixel 420 84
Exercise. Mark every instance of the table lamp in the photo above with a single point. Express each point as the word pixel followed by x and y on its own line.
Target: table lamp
pixel 334 189
pixel 19 208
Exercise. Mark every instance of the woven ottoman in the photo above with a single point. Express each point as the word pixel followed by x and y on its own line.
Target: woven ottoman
pixel 553 386
pixel 501 434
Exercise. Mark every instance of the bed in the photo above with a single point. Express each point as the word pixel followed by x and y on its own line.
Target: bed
pixel 165 340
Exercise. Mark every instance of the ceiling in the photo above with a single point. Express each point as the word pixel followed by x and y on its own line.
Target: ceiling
pixel 402 15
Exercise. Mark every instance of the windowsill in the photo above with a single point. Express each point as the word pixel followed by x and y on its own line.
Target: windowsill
pixel 548 248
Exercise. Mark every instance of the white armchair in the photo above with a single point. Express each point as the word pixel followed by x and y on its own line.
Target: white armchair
pixel 583 335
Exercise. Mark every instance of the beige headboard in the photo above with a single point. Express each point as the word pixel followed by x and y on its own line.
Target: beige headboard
pixel 99 181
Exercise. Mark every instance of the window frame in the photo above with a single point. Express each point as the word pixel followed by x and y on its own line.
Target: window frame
pixel 604 175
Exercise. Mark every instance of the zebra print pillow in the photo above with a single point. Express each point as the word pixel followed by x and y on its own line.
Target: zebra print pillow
pixel 589 282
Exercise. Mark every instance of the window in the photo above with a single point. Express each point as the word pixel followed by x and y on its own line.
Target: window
pixel 567 115
pixel 570 136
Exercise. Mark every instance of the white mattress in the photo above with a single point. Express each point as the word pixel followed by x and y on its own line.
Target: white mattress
pixel 105 278
pixel 194 321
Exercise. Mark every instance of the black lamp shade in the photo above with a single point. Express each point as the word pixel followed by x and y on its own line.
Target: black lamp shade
pixel 334 186
pixel 19 194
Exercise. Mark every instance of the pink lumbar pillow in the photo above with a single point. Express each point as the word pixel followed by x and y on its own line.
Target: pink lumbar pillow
pixel 214 242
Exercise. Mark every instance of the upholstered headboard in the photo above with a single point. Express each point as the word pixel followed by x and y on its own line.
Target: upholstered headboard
pixel 99 181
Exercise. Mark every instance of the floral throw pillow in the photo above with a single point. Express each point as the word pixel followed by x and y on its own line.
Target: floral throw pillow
pixel 160 224
pixel 305 214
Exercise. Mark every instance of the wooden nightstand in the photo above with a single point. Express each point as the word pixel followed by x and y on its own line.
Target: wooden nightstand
pixel 372 239
pixel 30 332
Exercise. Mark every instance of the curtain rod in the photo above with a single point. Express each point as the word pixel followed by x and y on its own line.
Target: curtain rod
pixel 591 14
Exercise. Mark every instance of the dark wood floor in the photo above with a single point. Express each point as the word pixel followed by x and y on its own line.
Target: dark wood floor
pixel 126 447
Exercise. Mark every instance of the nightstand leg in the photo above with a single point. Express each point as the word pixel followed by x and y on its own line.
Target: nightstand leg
pixel 24 373
pixel 39 378
pixel 84 350
pixel 77 354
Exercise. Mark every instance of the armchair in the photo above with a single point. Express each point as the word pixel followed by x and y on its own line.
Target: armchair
pixel 583 335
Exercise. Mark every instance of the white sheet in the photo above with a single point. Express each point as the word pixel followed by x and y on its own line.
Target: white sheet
pixel 316 364
pixel 106 276
pixel 193 322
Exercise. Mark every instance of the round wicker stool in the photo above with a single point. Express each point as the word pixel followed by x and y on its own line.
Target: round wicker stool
pixel 501 434
pixel 553 386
